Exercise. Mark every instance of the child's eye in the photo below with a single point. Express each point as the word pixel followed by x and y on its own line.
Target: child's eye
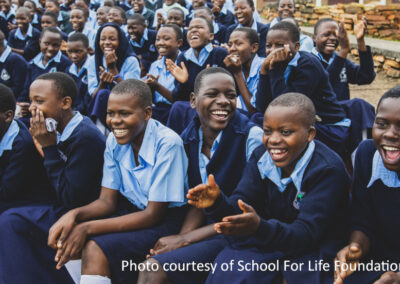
pixel 232 96
pixel 381 124
pixel 267 132
pixel 286 132
pixel 109 113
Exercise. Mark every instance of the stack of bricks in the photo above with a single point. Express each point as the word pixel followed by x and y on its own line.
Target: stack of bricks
pixel 391 66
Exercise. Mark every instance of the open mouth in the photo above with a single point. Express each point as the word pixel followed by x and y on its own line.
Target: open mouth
pixel 330 46
pixel 108 49
pixel 391 154
pixel 119 133
pixel 277 154
pixel 220 114
pixel 162 49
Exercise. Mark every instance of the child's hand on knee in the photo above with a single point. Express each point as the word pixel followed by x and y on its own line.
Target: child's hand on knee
pixel 389 278
pixel 60 230
pixel 168 243
pixel 348 256
pixel 204 195
pixel 242 224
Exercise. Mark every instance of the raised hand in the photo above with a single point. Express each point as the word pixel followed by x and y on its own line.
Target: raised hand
pixel 360 28
pixel 343 38
pixel 232 63
pixel 280 56
pixel 105 77
pixel 181 74
pixel 204 195
pixel 39 131
pixel 216 10
pixel 349 256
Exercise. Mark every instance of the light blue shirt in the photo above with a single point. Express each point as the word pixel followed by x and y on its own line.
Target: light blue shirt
pixel 60 17
pixel 145 37
pixel 9 14
pixel 267 169
pixel 9 137
pixel 254 139
pixel 253 26
pixel 19 35
pixel 35 19
pixel 306 43
pixel 129 70
pixel 292 63
pixel 161 174
pixel 89 33
pixel 73 69
pixel 216 27
pixel 132 11
pixel 39 63
pixel 5 54
pixel 72 124
pixel 274 22
pixel 388 178
pixel 204 53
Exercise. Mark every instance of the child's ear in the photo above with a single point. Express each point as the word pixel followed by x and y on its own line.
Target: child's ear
pixel 193 100
pixel 180 42
pixel 66 103
pixel 211 37
pixel 147 113
pixel 254 47
pixel 9 114
pixel 297 46
pixel 311 133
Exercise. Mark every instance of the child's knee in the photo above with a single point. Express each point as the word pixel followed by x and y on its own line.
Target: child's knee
pixel 152 275
pixel 92 254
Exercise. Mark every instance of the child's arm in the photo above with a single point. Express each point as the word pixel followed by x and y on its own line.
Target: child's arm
pixel 264 95
pixel 16 50
pixel 154 85
pixel 180 74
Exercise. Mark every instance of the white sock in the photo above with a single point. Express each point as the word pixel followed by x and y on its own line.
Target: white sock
pixel 95 279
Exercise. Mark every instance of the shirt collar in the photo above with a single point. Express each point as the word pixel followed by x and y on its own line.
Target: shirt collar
pixel 268 169
pixel 292 63
pixel 8 138
pixel 19 35
pixel 60 17
pixel 73 69
pixel 72 124
pixel 223 10
pixel 255 66
pixel 319 55
pixel 215 144
pixel 253 26
pixel 5 54
pixel 38 60
pixel 142 40
pixel 35 19
pixel 379 171
pixel 9 14
pixel 274 22
pixel 216 27
pixel 204 53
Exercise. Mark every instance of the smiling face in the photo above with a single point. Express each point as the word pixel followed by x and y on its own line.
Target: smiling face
pixel 127 118
pixel 386 133
pixel 50 45
pixel 51 7
pixel 199 34
pixel 243 13
pixel 286 9
pixel 48 21
pixel 286 136
pixel 137 5
pixel 109 40
pixel 240 45
pixel 326 38
pixel 77 52
pixel 216 101
pixel 114 16
pixel 166 43
pixel 77 19
pixel 23 18
pixel 174 17
pixel 135 29
pixel 277 39
pixel 101 15
pixel 5 6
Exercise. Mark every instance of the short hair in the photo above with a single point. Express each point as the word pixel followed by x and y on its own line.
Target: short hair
pixel 293 31
pixel 139 18
pixel 208 22
pixel 121 12
pixel 51 15
pixel 55 2
pixel 300 101
pixel 249 2
pixel 392 93
pixel 177 9
pixel 209 71
pixel 320 22
pixel 279 2
pixel 251 34
pixel 7 99
pixel 291 20
pixel 63 84
pixel 85 12
pixel 205 8
pixel 24 10
pixel 33 3
pixel 177 30
pixel 135 88
pixel 51 30
pixel 77 36
pixel 87 2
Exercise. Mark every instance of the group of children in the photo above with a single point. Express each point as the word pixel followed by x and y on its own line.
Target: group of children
pixel 113 111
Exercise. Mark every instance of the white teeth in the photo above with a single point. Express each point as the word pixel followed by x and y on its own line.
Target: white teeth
pixel 277 151
pixel 120 132
pixel 220 112
pixel 388 148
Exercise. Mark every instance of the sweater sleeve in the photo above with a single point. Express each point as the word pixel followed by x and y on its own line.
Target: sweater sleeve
pixel 364 73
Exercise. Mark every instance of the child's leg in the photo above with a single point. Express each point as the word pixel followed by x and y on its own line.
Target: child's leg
pixel 95 266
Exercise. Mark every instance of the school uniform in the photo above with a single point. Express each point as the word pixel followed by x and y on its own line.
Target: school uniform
pixel 342 72
pixel 306 75
pixel 219 33
pixel 297 213
pixel 5 19
pixel 191 11
pixel 261 30
pixel 73 167
pixel 28 43
pixel 36 21
pixel 89 33
pixel 228 156
pixel 225 17
pixel 65 8
pixel 124 5
pixel 13 69
pixel 82 101
pixel 92 20
pixel 146 13
pixel 164 11
pixel 146 47
pixel 160 177
pixel 375 210
pixel 63 22
pixel 306 43
pixel 185 44
pixel 153 5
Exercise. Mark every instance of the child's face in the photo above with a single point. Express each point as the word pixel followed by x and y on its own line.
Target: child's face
pixel 30 7
pixel 286 9
pixel 114 16
pixel 240 45
pixel 101 16
pixel 48 21
pixel 199 34
pixel 126 117
pixel 50 45
pixel 386 133
pixel 170 2
pixel 77 52
pixel 135 29
pixel 51 7
pixel 77 20
pixel 5 6
pixel 277 39
pixel 219 3
pixel 109 40
pixel 176 18
pixel 198 3
pixel 216 101
pixel 243 12
pixel 286 136
pixel 22 19
pixel 166 42
pixel 44 98
pixel 326 39
pixel 137 5
pixel 81 4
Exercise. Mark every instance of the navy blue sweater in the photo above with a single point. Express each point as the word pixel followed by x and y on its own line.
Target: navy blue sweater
pixel 181 92
pixel 82 101
pixel 30 45
pixel 22 176
pixel 227 19
pixel 4 25
pixel 375 210
pixel 148 51
pixel 308 78
pixel 293 231
pixel 220 36
pixel 74 167
pixel 13 73
pixel 185 44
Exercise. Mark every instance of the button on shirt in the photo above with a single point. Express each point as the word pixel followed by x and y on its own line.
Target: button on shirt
pixel 379 171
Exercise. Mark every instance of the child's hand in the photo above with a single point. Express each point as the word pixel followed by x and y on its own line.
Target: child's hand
pixel 225 45
pixel 233 63
pixel 63 46
pixel 180 74
pixel 111 59
pixel 160 20
pixel 11 26
pixel 152 81
pixel 39 131
pixel 265 66
pixel 239 225
pixel 60 230
pixel 389 278
pixel 105 77
pixel 216 10
pixel 204 195
pixel 349 255
pixel 343 38
pixel 360 27
pixel 24 109
pixel 280 56
pixel 38 146
pixel 168 243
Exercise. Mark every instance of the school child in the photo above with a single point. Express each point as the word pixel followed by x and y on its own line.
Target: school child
pixel 62 17
pixel 7 17
pixel 138 7
pixel 78 50
pixel 193 7
pixel 288 70
pixel 328 35
pixel 244 15
pixel 286 9
pixel 244 63
pixel 25 39
pixel 222 14
pixel 117 15
pixel 142 41
pixel 35 16
pixel 177 16
pixel 218 144
pixel 22 175
pixel 375 197
pixel 153 5
pixel 66 5
pixel 91 19
pixel 145 162
pixel 73 161
pixel 101 16
pixel 219 29
pixel 49 19
pixel 13 68
pixel 124 4
pixel 78 19
pixel 159 79
pixel 293 195
pixel 50 59
pixel 113 61
pixel 306 42
pixel 161 13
